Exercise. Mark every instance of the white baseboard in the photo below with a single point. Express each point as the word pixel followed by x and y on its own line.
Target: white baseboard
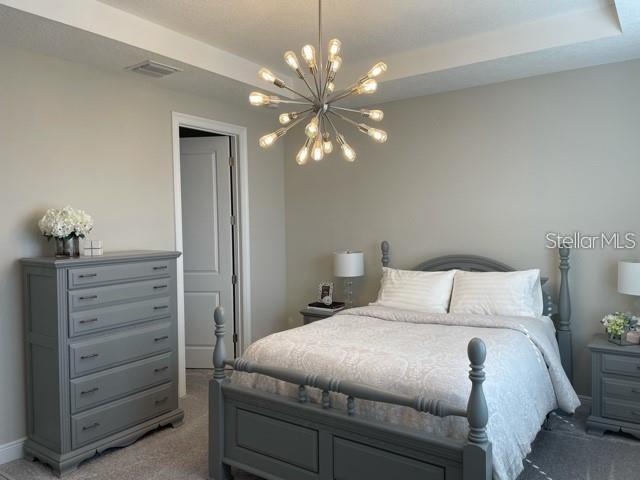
pixel 12 451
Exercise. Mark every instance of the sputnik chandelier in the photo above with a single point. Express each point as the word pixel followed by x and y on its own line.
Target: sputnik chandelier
pixel 319 105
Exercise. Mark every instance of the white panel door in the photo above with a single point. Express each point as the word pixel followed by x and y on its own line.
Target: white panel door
pixel 207 244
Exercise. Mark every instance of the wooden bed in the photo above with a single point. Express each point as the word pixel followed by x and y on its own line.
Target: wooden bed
pixel 282 438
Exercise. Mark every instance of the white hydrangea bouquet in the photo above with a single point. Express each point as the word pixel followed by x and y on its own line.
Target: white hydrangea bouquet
pixel 618 325
pixel 66 225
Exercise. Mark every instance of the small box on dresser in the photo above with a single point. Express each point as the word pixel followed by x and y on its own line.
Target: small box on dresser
pixel 101 352
pixel 615 387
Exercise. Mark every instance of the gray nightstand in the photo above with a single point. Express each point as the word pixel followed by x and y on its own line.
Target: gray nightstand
pixel 615 387
pixel 311 316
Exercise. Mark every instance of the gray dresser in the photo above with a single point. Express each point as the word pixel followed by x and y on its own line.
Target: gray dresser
pixel 615 387
pixel 101 352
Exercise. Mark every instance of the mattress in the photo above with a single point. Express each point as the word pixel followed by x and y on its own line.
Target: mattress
pixel 415 353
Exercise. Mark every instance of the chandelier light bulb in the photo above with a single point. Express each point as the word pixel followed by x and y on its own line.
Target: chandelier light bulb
pixel 286 118
pixel 348 153
pixel 336 63
pixel 377 70
pixel 309 55
pixel 335 46
pixel 258 99
pixel 378 135
pixel 266 75
pixel 367 87
pixel 267 140
pixel 331 87
pixel 303 154
pixel 291 60
pixel 311 130
pixel 375 115
pixel 327 145
pixel 317 152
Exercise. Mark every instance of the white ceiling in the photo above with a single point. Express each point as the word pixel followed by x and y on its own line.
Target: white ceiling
pixel 430 45
pixel 262 30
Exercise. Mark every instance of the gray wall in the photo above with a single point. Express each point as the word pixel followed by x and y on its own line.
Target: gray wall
pixel 71 134
pixel 486 170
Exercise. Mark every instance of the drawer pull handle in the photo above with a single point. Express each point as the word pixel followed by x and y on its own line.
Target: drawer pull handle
pixel 88 297
pixel 161 369
pixel 162 400
pixel 88 275
pixel 87 392
pixel 91 355
pixel 158 287
pixel 159 339
pixel 160 307
pixel 88 320
pixel 161 267
pixel 89 427
pixel 635 390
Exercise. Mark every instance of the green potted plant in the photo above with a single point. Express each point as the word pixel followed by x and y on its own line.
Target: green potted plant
pixel 618 325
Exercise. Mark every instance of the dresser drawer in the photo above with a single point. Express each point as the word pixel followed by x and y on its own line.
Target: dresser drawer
pixel 85 276
pixel 96 297
pixel 92 390
pixel 622 389
pixel 123 347
pixel 621 410
pixel 622 365
pixel 90 321
pixel 102 421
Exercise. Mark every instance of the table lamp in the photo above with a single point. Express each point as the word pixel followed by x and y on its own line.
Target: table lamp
pixel 348 264
pixel 629 278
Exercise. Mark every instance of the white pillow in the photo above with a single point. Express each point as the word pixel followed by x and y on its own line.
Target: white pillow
pixel 497 293
pixel 420 291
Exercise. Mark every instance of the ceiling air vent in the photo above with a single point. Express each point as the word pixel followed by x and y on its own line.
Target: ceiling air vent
pixel 153 69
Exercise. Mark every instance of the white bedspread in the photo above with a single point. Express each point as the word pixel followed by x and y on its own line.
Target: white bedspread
pixel 426 354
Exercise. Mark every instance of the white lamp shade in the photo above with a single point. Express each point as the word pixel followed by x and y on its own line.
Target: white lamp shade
pixel 348 264
pixel 629 277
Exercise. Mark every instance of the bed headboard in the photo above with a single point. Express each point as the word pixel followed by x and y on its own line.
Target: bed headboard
pixel 560 312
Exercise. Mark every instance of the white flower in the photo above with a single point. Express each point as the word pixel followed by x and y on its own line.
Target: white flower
pixel 65 222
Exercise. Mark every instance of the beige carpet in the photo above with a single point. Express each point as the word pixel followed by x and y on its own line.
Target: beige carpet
pixel 564 453
pixel 170 454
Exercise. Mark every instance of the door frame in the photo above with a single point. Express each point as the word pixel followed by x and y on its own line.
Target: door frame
pixel 241 247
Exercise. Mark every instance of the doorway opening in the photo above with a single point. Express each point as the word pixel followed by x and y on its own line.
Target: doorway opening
pixel 211 225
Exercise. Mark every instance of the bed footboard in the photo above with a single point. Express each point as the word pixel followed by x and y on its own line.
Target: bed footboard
pixel 277 437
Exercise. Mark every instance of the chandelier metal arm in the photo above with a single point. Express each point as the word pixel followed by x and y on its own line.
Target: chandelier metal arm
pixel 345 109
pixel 304 79
pixel 286 87
pixel 332 125
pixel 346 119
pixel 295 102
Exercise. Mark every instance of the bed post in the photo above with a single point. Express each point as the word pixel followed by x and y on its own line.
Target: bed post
pixel 217 469
pixel 476 457
pixel 384 247
pixel 564 315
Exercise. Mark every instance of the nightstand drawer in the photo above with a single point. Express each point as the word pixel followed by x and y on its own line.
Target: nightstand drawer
pixel 621 365
pixel 621 410
pixel 622 389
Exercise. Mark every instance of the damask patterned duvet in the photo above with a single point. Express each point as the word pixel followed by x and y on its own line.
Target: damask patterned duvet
pixel 426 354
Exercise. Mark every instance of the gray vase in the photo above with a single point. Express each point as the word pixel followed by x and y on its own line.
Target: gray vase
pixel 68 247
